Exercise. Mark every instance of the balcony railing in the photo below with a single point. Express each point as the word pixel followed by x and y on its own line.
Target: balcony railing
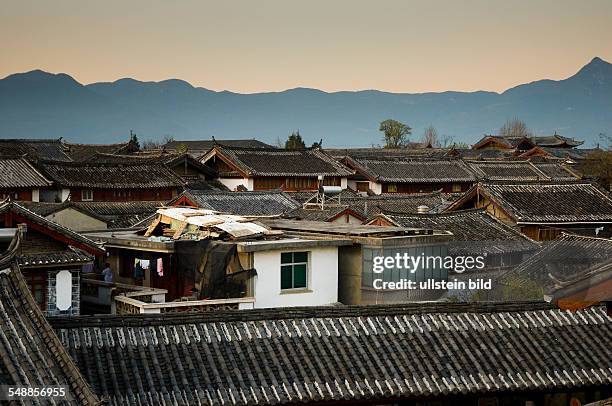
pixel 131 305
pixel 120 298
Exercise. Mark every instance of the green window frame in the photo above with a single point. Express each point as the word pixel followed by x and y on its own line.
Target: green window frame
pixel 294 270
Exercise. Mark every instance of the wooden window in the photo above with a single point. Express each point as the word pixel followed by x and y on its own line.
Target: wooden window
pixel 294 270
pixel 392 188
pixel 37 282
pixel 297 184
pixel 86 195
pixel 456 187
pixel 362 186
pixel 335 181
pixel 267 183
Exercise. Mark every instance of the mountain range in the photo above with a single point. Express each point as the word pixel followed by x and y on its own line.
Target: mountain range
pixel 39 104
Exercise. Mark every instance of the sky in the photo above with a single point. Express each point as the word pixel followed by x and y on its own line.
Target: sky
pixel 271 45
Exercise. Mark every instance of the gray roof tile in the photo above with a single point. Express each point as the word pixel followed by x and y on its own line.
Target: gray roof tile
pixel 260 203
pixel 282 162
pixel 367 353
pixel 110 176
pixel 552 202
pixel 19 173
pixel 415 170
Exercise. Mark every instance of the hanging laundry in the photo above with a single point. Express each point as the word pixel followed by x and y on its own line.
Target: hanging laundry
pixel 160 266
pixel 138 271
pixel 145 264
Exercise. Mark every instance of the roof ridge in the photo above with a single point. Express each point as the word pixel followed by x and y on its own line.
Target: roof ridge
pixel 316 312
pixel 8 204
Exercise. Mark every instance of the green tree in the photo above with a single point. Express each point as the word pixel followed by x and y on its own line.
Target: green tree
pixel 134 139
pixel 395 133
pixel 295 141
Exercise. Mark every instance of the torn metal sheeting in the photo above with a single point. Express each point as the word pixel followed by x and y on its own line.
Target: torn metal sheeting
pixel 182 219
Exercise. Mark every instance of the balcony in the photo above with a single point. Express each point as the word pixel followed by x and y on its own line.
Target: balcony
pixel 123 299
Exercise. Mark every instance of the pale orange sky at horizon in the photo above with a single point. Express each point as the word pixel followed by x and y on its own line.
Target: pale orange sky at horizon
pixel 272 45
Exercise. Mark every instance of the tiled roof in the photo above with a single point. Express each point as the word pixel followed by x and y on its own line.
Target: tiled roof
pixel 398 203
pixel 31 355
pixel 571 153
pixel 355 353
pixel 110 176
pixel 415 170
pixel 19 173
pixel 507 170
pixel 120 208
pixel 208 185
pixel 475 230
pixel 552 203
pixel 199 147
pixel 560 261
pixel 282 162
pixel 302 197
pixel 557 171
pixel 392 202
pixel 114 214
pixel 259 203
pixel 85 152
pixel 51 149
pixel 121 214
pixel 318 214
pixel 550 141
pixel 470 154
pixel 385 153
pixel 71 256
pixel 555 140
pixel 14 207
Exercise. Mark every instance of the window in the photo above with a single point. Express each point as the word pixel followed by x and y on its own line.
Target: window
pixel 294 270
pixel 268 183
pixel 362 186
pixel 37 282
pixel 332 181
pixel 392 188
pixel 87 195
pixel 456 187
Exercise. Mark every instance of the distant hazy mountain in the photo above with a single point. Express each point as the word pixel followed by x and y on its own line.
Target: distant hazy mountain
pixel 41 105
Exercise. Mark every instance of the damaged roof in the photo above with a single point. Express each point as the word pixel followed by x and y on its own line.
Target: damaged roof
pixel 187 222
pixel 374 353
